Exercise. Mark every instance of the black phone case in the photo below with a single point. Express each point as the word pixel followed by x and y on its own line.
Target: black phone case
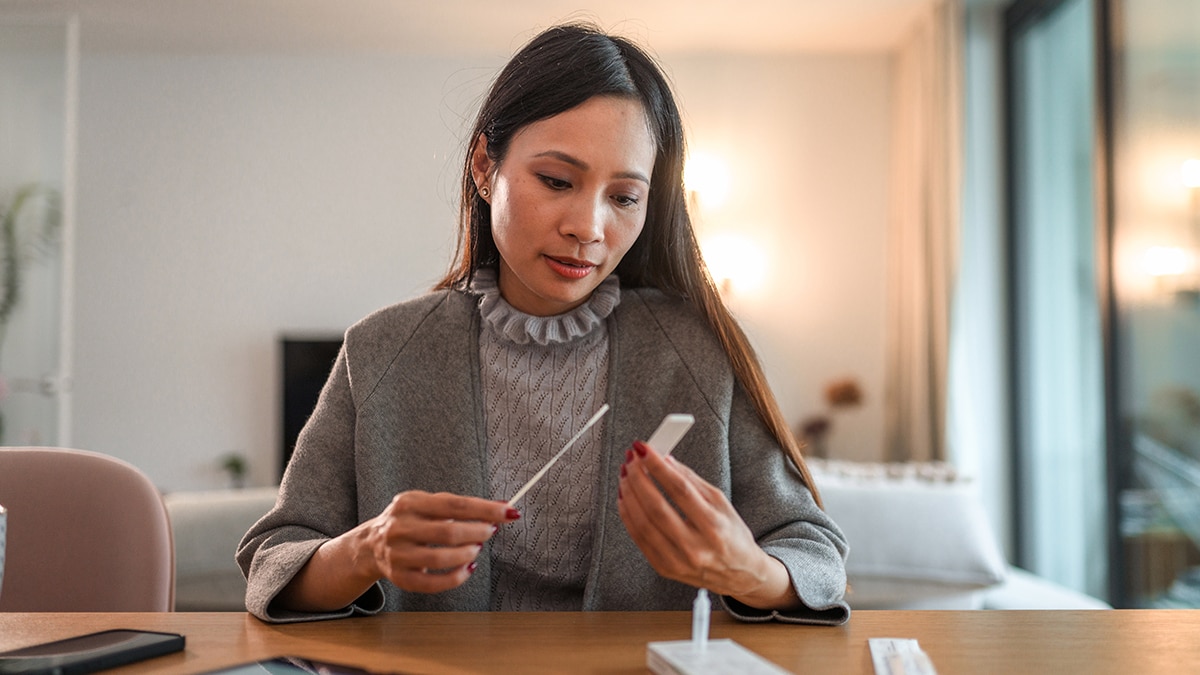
pixel 72 656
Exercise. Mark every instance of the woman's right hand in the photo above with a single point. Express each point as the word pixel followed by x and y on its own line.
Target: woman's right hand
pixel 422 542
pixel 427 543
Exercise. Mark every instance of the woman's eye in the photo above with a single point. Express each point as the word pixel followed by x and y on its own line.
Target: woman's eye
pixel 554 183
pixel 626 200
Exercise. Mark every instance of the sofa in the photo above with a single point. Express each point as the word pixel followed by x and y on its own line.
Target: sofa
pixel 918 533
pixel 207 527
pixel 920 539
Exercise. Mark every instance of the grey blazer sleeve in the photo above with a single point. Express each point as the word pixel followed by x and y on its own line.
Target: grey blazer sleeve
pixel 672 362
pixel 317 501
pixel 770 495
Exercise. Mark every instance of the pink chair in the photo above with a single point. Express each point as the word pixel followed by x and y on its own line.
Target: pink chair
pixel 86 533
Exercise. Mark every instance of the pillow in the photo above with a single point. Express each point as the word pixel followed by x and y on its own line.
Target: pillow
pixel 918 534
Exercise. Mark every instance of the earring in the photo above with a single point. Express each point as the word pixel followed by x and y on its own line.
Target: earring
pixel 485 192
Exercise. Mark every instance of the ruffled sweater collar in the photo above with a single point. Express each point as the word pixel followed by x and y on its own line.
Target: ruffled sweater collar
pixel 522 328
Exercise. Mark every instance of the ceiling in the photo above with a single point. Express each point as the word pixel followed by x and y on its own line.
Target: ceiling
pixel 476 26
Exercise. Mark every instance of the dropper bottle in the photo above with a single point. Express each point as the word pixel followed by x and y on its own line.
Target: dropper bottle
pixel 701 612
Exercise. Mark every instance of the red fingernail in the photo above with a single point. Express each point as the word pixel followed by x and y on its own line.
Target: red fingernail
pixel 618 492
pixel 628 456
pixel 495 528
pixel 640 448
pixel 471 567
pixel 512 514
pixel 623 471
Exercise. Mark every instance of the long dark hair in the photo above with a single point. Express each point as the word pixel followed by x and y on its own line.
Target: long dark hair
pixel 558 70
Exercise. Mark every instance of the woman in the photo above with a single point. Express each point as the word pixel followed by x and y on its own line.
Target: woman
pixel 578 282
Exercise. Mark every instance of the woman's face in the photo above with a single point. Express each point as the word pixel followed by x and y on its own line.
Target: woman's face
pixel 568 201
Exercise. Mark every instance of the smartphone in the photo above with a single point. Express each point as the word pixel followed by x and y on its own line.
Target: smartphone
pixel 89 653
pixel 289 665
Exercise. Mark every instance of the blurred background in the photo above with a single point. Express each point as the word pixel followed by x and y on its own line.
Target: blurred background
pixel 981 219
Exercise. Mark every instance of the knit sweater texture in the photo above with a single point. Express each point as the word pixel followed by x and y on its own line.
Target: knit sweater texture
pixel 543 378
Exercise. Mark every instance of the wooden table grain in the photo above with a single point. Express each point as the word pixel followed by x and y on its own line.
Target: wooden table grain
pixel 1052 642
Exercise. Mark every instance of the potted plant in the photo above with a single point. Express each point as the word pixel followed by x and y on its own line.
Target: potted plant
pixel 234 464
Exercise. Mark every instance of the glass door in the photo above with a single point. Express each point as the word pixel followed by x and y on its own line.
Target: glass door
pixel 1156 148
pixel 36 81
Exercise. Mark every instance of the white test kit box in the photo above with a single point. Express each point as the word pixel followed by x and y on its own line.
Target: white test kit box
pixel 716 657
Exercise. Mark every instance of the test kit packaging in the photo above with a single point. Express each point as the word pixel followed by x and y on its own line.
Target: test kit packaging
pixel 714 657
pixel 701 655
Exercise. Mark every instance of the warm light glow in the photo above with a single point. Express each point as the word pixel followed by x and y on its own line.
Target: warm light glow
pixel 707 177
pixel 734 262
pixel 1161 261
pixel 1155 173
pixel 1190 172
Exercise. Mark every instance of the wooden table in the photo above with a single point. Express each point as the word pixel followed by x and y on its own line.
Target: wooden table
pixel 1057 642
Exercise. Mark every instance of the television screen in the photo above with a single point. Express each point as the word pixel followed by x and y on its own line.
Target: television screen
pixel 307 363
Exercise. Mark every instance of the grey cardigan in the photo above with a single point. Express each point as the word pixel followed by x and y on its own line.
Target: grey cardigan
pixel 402 410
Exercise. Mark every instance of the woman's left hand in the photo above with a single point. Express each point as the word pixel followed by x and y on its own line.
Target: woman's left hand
pixel 696 537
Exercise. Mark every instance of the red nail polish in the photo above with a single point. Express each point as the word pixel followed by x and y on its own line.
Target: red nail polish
pixel 512 514
pixel 628 456
pixel 471 567
pixel 618 492
pixel 640 448
pixel 623 472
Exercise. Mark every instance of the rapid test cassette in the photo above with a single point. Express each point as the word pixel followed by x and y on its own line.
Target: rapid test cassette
pixel 672 428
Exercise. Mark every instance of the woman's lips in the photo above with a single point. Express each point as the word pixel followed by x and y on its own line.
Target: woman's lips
pixel 570 267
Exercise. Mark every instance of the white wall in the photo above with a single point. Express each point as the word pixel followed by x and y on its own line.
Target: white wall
pixel 226 198
pixel 806 138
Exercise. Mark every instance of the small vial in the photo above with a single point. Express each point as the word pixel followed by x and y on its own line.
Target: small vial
pixel 701 612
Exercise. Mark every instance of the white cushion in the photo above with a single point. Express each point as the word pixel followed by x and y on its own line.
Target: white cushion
pixel 1022 590
pixel 918 534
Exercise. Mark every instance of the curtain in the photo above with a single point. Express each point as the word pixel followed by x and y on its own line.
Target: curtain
pixel 923 232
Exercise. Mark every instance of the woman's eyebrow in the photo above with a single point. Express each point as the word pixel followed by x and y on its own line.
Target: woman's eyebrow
pixel 582 165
